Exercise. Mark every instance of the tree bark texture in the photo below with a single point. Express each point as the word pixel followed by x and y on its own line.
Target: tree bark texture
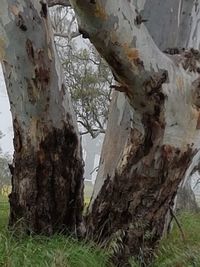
pixel 47 171
pixel 140 171
pixel 176 27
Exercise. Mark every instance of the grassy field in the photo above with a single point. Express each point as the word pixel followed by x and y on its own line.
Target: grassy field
pixel 37 251
pixel 60 251
pixel 175 252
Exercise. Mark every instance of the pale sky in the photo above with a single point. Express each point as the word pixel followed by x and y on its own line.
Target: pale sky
pixel 6 142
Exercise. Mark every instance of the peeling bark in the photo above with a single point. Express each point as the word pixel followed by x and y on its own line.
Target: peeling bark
pixel 47 176
pixel 133 204
pixel 140 171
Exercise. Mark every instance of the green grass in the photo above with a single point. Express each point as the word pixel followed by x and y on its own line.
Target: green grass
pixel 62 251
pixel 4 211
pixel 37 251
pixel 54 251
pixel 174 252
pixel 88 189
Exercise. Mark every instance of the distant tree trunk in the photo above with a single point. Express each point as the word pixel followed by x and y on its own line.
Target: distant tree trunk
pixel 89 165
pixel 119 122
pixel 90 157
pixel 140 172
pixel 47 171
pixel 186 200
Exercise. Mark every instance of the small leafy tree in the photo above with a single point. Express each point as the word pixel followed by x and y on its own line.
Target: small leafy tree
pixel 89 80
pixel 5 176
pixel 87 75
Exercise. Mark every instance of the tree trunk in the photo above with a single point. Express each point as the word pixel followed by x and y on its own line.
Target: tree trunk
pixel 174 15
pixel 91 152
pixel 47 171
pixel 141 170
pixel 186 200
pixel 89 164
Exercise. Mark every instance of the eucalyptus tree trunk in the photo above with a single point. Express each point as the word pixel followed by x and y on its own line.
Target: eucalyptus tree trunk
pixel 179 16
pixel 47 168
pixel 143 165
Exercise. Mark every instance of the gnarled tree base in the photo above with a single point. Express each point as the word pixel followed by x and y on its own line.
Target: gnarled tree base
pixel 47 184
pixel 130 211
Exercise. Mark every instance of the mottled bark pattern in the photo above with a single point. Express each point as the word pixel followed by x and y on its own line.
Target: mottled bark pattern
pixel 130 205
pixel 47 172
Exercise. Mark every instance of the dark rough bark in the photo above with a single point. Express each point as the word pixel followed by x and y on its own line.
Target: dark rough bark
pixel 47 183
pixel 132 206
pixel 47 171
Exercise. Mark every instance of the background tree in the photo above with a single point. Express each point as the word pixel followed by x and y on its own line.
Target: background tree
pixel 5 178
pixel 89 80
pixel 86 73
pixel 1 135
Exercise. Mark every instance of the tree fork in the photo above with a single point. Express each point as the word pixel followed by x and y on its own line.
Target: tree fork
pixel 141 182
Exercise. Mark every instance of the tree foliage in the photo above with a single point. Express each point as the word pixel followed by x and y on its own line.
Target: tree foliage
pixel 5 176
pixel 87 75
pixel 89 80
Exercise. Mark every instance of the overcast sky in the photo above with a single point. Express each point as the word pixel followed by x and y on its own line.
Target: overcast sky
pixel 6 142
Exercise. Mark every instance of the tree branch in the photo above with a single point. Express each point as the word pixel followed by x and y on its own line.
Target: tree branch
pixel 93 132
pixel 128 48
pixel 66 35
pixel 151 79
pixel 52 3
pixel 178 224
